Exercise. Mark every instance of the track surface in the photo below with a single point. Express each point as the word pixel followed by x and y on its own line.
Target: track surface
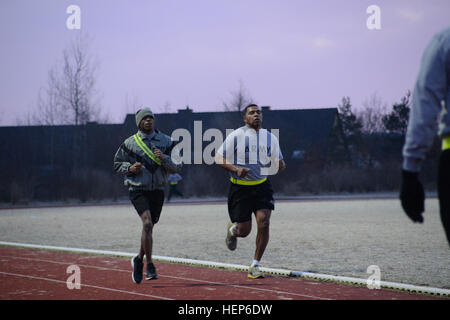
pixel 28 274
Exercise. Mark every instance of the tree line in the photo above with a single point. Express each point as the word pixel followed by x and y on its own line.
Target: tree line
pixel 374 136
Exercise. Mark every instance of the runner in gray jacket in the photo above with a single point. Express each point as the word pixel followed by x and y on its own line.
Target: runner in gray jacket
pixel 144 160
pixel 431 98
pixel 152 176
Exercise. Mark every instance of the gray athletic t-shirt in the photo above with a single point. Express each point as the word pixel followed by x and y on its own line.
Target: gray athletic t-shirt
pixel 257 150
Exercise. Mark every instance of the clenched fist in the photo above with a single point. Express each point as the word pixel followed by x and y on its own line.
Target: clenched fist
pixel 136 168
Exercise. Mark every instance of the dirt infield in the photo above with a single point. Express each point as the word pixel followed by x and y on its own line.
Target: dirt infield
pixel 332 237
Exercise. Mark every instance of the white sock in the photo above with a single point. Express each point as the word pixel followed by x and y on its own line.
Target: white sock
pixel 232 228
pixel 255 262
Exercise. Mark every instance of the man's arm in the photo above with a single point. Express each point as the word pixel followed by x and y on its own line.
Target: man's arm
pixel 122 162
pixel 222 162
pixel 167 162
pixel 281 165
pixel 279 159
pixel 429 90
pixel 166 159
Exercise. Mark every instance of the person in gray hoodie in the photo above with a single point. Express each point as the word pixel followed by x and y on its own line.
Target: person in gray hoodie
pixel 144 160
pixel 430 100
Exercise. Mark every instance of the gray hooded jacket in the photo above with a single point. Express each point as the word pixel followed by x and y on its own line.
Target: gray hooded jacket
pixel 152 176
pixel 431 98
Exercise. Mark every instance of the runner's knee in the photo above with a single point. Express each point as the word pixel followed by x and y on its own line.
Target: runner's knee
pixel 263 222
pixel 147 222
pixel 148 227
pixel 244 230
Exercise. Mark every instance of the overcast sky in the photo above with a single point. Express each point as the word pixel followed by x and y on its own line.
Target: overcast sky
pixel 288 54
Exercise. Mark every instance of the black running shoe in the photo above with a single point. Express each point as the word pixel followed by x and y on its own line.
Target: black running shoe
pixel 151 272
pixel 137 265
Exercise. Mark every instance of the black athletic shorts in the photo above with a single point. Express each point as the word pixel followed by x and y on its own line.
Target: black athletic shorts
pixel 148 200
pixel 245 200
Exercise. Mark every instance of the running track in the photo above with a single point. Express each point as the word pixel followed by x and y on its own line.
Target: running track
pixel 30 274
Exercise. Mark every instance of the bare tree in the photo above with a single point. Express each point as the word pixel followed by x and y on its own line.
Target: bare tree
pixel 239 99
pixel 70 96
pixel 371 116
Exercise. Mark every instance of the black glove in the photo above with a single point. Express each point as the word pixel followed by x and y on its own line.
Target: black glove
pixel 412 196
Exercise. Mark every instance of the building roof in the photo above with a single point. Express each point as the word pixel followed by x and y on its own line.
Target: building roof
pixel 297 127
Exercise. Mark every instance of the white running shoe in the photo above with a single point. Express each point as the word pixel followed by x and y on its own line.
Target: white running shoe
pixel 231 239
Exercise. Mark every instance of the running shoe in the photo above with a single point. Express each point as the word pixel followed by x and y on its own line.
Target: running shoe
pixel 254 272
pixel 230 240
pixel 151 272
pixel 137 265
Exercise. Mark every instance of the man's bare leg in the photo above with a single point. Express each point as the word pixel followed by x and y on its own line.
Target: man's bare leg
pixel 242 229
pixel 262 237
pixel 146 236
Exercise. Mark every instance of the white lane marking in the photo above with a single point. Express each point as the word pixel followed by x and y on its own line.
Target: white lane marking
pixel 84 285
pixel 300 274
pixel 172 277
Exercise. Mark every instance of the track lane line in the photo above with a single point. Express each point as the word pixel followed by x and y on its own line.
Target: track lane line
pixel 440 292
pixel 173 277
pixel 252 288
pixel 84 285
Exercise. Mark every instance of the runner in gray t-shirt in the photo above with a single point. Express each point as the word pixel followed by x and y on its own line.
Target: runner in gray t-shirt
pixel 250 154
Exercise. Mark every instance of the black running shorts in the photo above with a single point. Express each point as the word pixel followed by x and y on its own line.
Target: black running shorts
pixel 148 200
pixel 245 200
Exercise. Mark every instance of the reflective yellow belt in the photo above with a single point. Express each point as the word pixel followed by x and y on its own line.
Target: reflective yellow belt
pixel 446 143
pixel 146 149
pixel 173 183
pixel 247 182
